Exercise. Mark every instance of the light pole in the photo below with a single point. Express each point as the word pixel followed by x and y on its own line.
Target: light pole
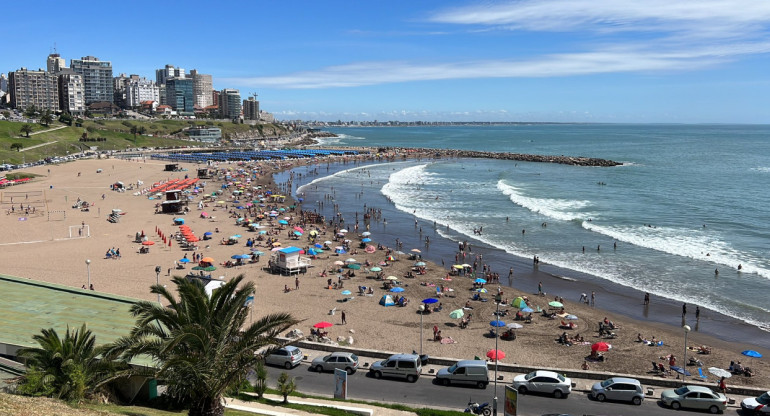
pixel 157 279
pixel 497 335
pixel 686 329
pixel 88 268
pixel 422 309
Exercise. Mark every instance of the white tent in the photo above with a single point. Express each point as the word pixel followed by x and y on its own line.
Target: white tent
pixel 212 286
pixel 387 300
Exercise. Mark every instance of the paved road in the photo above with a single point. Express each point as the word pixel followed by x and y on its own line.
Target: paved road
pixel 425 392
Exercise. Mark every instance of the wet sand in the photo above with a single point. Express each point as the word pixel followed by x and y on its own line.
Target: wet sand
pixel 40 249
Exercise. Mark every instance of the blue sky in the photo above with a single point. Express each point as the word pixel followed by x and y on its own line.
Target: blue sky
pixel 646 61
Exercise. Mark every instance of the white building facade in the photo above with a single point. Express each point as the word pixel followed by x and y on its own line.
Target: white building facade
pixel 141 90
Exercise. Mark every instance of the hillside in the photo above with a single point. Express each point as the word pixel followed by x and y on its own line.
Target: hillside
pixel 60 139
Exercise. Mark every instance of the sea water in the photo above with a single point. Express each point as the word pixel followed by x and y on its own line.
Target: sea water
pixel 688 201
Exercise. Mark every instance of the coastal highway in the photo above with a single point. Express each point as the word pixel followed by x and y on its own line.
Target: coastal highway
pixel 425 392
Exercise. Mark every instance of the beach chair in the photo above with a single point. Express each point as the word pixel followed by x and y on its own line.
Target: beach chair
pixel 700 373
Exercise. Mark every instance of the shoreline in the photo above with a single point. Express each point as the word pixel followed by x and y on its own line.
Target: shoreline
pixel 535 344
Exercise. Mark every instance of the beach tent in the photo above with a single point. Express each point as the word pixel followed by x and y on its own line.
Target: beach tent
pixel 387 300
pixel 213 285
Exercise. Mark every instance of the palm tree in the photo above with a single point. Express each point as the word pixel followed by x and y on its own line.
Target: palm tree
pixel 26 128
pixel 65 368
pixel 201 346
pixel 47 118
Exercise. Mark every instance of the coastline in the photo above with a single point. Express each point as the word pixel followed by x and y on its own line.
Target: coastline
pixel 312 302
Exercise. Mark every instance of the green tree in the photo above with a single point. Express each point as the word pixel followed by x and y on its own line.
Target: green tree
pixel 65 368
pixel 201 346
pixel 66 119
pixel 26 129
pixel 17 146
pixel 134 131
pixel 31 111
pixel 47 118
pixel 286 386
pixel 261 384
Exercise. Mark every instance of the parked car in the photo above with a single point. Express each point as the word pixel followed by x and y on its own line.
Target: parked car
pixel 466 371
pixel 759 405
pixel 407 366
pixel 694 397
pixel 542 381
pixel 288 357
pixel 343 360
pixel 618 388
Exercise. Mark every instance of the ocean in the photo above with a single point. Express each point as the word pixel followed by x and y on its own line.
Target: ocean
pixel 686 208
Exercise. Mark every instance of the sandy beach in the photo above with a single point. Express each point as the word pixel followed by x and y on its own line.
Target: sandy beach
pixel 46 245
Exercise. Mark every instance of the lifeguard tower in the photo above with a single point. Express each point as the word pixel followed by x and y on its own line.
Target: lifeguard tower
pixel 287 261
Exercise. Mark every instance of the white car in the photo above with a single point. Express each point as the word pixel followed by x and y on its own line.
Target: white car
pixel 287 357
pixel 542 381
pixel 759 405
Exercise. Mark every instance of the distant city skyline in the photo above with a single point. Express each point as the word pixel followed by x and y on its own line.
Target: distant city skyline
pixel 531 60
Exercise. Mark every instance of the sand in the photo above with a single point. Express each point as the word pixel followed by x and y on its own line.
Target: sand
pixel 39 247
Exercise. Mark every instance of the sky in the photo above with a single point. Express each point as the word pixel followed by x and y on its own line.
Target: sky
pixel 610 61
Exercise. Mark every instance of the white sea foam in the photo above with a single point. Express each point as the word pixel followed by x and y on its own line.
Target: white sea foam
pixel 763 169
pixel 560 209
pixel 682 242
pixel 340 174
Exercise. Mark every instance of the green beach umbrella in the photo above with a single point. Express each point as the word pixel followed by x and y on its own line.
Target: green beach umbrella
pixel 457 314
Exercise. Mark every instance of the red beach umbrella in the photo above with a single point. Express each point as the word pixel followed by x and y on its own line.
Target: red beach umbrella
pixel 323 324
pixel 495 355
pixel 600 346
pixel 148 243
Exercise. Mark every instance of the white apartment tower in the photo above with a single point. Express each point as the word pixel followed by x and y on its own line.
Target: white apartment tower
pixel 202 89
pixel 140 90
pixel 39 88
pixel 161 75
pixel 71 93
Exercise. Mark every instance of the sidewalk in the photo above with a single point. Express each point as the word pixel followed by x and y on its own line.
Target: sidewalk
pixel 264 409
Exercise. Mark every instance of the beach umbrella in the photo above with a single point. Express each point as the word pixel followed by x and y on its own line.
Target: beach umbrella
pixel 343 231
pixel 241 256
pixel 297 233
pixel 482 290
pixel 555 304
pixel 318 251
pixel 419 264
pixel 351 260
pixel 205 268
pixel 235 236
pixel 354 266
pixel 457 266
pixel 339 263
pixel 312 252
pixel 457 314
pixel 571 317
pixel 283 222
pixel 497 323
pixel 390 258
pixel 340 250
pixel 495 355
pixel 720 372
pixel 148 243
pixel 416 250
pixel 752 353
pixel 299 229
pixel 257 252
pixel 391 278
pixel 519 303
pixel 397 289
pixel 480 280
pixel 600 346
pixel 313 232
pixel 466 265
pixel 208 233
pixel 207 260
pixel 323 324
pixel 263 232
pixel 376 269
pixel 680 370
pixel 514 325
pixel 370 249
pixel 317 245
pixel 328 243
pixel 366 240
pixel 345 292
pixel 428 301
pixel 366 234
pixel 184 260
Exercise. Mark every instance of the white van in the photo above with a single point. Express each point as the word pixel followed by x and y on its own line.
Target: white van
pixel 399 365
pixel 465 372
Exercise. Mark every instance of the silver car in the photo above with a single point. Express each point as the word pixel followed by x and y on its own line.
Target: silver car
pixel 618 388
pixel 543 381
pixel 694 397
pixel 343 360
pixel 287 357
pixel 757 405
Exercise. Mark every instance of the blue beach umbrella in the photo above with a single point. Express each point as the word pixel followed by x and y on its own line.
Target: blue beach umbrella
pixel 497 323
pixel 752 353
pixel 345 292
pixel 263 232
pixel 429 300
pixel 283 222
pixel 257 252
pixel 419 264
pixel 482 290
pixel 318 245
pixel 680 370
pixel 527 309
pixel 480 280
pixel 297 233
pixel 376 269
pixel 312 252
pixel 184 260
pixel 366 240
pixel 208 233
pixel 237 236
pixel 397 289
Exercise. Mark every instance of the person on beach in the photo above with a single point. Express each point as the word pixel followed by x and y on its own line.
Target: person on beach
pixel 344 320
pixel 684 310
pixel 540 289
pixel 722 386
pixel 593 298
pixel 296 283
pixel 647 298
pixel 697 312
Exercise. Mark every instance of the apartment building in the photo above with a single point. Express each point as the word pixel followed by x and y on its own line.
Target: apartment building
pixel 141 90
pixel 251 109
pixel 230 104
pixel 202 88
pixel 179 95
pixel 97 78
pixel 71 92
pixel 39 88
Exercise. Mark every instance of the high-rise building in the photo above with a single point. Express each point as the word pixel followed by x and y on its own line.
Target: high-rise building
pixel 251 109
pixel 202 88
pixel 162 94
pixel 140 90
pixel 215 98
pixel 55 63
pixel 39 88
pixel 3 83
pixel 97 78
pixel 161 75
pixel 230 104
pixel 71 92
pixel 179 95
